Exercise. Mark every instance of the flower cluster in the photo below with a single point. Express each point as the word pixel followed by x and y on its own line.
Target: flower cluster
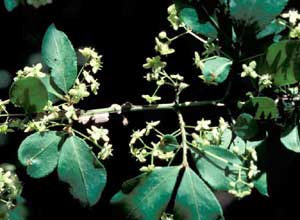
pixel 101 135
pixel 240 188
pixel 78 92
pixel 173 17
pixel 94 60
pixel 293 17
pixel 197 61
pixel 243 185
pixel 264 80
pixel 163 47
pixel 88 83
pixel 34 71
pixel 161 77
pixel 141 150
pixel 156 65
pixel 205 134
pixel 10 188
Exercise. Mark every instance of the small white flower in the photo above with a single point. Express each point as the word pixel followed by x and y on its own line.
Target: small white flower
pixel 265 81
pixel 34 71
pixel 223 125
pixel 295 32
pixel 203 125
pixel 163 47
pixel 292 15
pixel 137 135
pixel 249 70
pixel 70 112
pixel 94 59
pixel 148 168
pixel 151 125
pixel 98 133
pixel 106 151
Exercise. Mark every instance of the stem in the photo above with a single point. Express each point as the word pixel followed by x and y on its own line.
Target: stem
pixel 128 107
pixel 219 158
pixel 86 137
pixel 11 115
pixel 252 57
pixel 5 102
pixel 178 36
pixel 196 36
pixel 183 141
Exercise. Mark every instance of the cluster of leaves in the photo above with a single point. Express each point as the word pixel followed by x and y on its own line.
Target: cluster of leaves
pixel 225 155
pixel 48 101
pixel 226 159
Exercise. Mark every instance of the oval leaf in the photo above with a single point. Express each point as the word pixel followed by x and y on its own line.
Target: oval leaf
pixel 189 16
pixel 29 93
pixel 11 4
pixel 274 28
pixel 79 167
pixel 245 126
pixel 283 62
pixel 146 197
pixel 239 144
pixel 226 138
pixel 261 184
pixel 59 54
pixel 195 201
pixel 216 166
pixel 53 93
pixel 39 153
pixel 216 69
pixel 290 139
pixel 255 12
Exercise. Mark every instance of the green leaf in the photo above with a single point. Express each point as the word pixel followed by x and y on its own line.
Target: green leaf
pixel 216 69
pixel 241 145
pixel 283 62
pixel 195 201
pixel 245 126
pixel 189 16
pixel 256 12
pixel 146 197
pixel 264 108
pixel 20 211
pixel 53 92
pixel 168 143
pixel 59 54
pixel 226 138
pixel 261 184
pixel 216 166
pixel 238 143
pixel 39 153
pixel 274 28
pixel 80 168
pixel 29 93
pixel 290 138
pixel 11 4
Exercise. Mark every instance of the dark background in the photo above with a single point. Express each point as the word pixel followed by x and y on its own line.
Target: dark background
pixel 123 31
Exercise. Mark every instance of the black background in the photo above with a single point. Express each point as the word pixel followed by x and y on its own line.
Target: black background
pixel 123 31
